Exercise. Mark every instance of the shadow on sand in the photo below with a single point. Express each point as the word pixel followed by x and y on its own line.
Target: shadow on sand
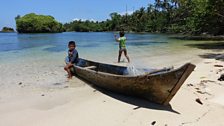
pixel 216 56
pixel 216 47
pixel 211 46
pixel 138 102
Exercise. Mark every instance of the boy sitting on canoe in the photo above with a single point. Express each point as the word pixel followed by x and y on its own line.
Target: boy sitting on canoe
pixel 122 46
pixel 71 59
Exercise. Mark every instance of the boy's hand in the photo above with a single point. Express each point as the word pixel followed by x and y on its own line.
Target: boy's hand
pixel 69 64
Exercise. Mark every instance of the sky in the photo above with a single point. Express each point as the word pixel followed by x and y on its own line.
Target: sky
pixel 66 10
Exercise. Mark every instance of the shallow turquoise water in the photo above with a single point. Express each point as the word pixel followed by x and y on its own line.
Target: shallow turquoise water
pixel 38 59
pixel 144 49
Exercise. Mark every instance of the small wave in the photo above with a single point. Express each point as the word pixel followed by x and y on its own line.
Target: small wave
pixel 133 71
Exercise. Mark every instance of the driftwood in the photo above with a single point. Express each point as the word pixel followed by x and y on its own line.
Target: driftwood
pixel 218 65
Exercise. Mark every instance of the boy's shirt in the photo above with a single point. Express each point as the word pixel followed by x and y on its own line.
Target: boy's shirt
pixel 73 56
pixel 122 42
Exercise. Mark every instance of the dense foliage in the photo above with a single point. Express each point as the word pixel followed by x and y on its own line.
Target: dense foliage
pixel 32 23
pixel 164 16
pixel 7 29
pixel 84 26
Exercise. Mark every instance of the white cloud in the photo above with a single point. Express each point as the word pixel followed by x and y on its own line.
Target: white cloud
pixel 82 19
pixel 128 12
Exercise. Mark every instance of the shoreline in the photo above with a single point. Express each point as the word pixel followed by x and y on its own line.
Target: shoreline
pixel 198 37
pixel 170 35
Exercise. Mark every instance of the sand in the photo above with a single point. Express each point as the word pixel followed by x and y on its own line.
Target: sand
pixel 43 97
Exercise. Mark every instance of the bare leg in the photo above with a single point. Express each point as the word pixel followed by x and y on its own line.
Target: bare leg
pixel 119 56
pixel 69 74
pixel 126 55
pixel 68 69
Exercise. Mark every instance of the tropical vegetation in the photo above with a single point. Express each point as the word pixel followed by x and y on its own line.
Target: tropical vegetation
pixel 33 23
pixel 164 16
pixel 7 29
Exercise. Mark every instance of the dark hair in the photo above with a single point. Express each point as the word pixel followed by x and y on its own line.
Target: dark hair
pixel 71 43
pixel 122 33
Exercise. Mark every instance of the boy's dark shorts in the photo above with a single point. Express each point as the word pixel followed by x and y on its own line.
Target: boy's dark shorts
pixel 123 49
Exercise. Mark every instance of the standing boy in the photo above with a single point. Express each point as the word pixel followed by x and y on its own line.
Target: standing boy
pixel 122 46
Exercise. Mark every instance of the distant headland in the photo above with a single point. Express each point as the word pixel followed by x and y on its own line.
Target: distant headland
pixel 33 23
pixel 7 29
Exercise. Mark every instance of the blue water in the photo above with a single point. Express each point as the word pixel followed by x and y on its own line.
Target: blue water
pixel 151 48
pixel 14 41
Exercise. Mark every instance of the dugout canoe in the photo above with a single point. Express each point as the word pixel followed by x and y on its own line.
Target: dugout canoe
pixel 158 86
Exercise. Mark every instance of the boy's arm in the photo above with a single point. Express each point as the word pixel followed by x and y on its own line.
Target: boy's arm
pixel 67 60
pixel 117 39
pixel 74 57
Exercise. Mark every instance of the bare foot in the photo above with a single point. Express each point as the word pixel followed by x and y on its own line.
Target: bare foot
pixel 69 77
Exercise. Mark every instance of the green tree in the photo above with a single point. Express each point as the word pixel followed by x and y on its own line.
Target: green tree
pixel 115 21
pixel 32 23
pixel 7 29
pixel 214 18
pixel 173 16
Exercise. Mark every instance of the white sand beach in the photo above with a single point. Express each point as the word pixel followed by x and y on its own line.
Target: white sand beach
pixel 164 39
pixel 34 94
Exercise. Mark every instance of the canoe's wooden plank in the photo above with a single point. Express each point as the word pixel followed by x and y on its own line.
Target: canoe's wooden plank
pixel 90 67
pixel 187 72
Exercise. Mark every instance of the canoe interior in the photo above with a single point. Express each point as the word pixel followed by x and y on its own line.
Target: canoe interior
pixel 116 70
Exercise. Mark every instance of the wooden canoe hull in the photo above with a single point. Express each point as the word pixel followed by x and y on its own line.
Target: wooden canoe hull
pixel 159 88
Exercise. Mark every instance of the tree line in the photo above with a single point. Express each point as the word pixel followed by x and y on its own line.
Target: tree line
pixel 194 17
pixel 7 29
pixel 164 16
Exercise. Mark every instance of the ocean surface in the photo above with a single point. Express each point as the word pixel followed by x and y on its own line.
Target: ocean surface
pixel 145 50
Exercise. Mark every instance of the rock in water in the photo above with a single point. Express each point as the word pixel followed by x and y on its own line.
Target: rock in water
pixel 221 78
